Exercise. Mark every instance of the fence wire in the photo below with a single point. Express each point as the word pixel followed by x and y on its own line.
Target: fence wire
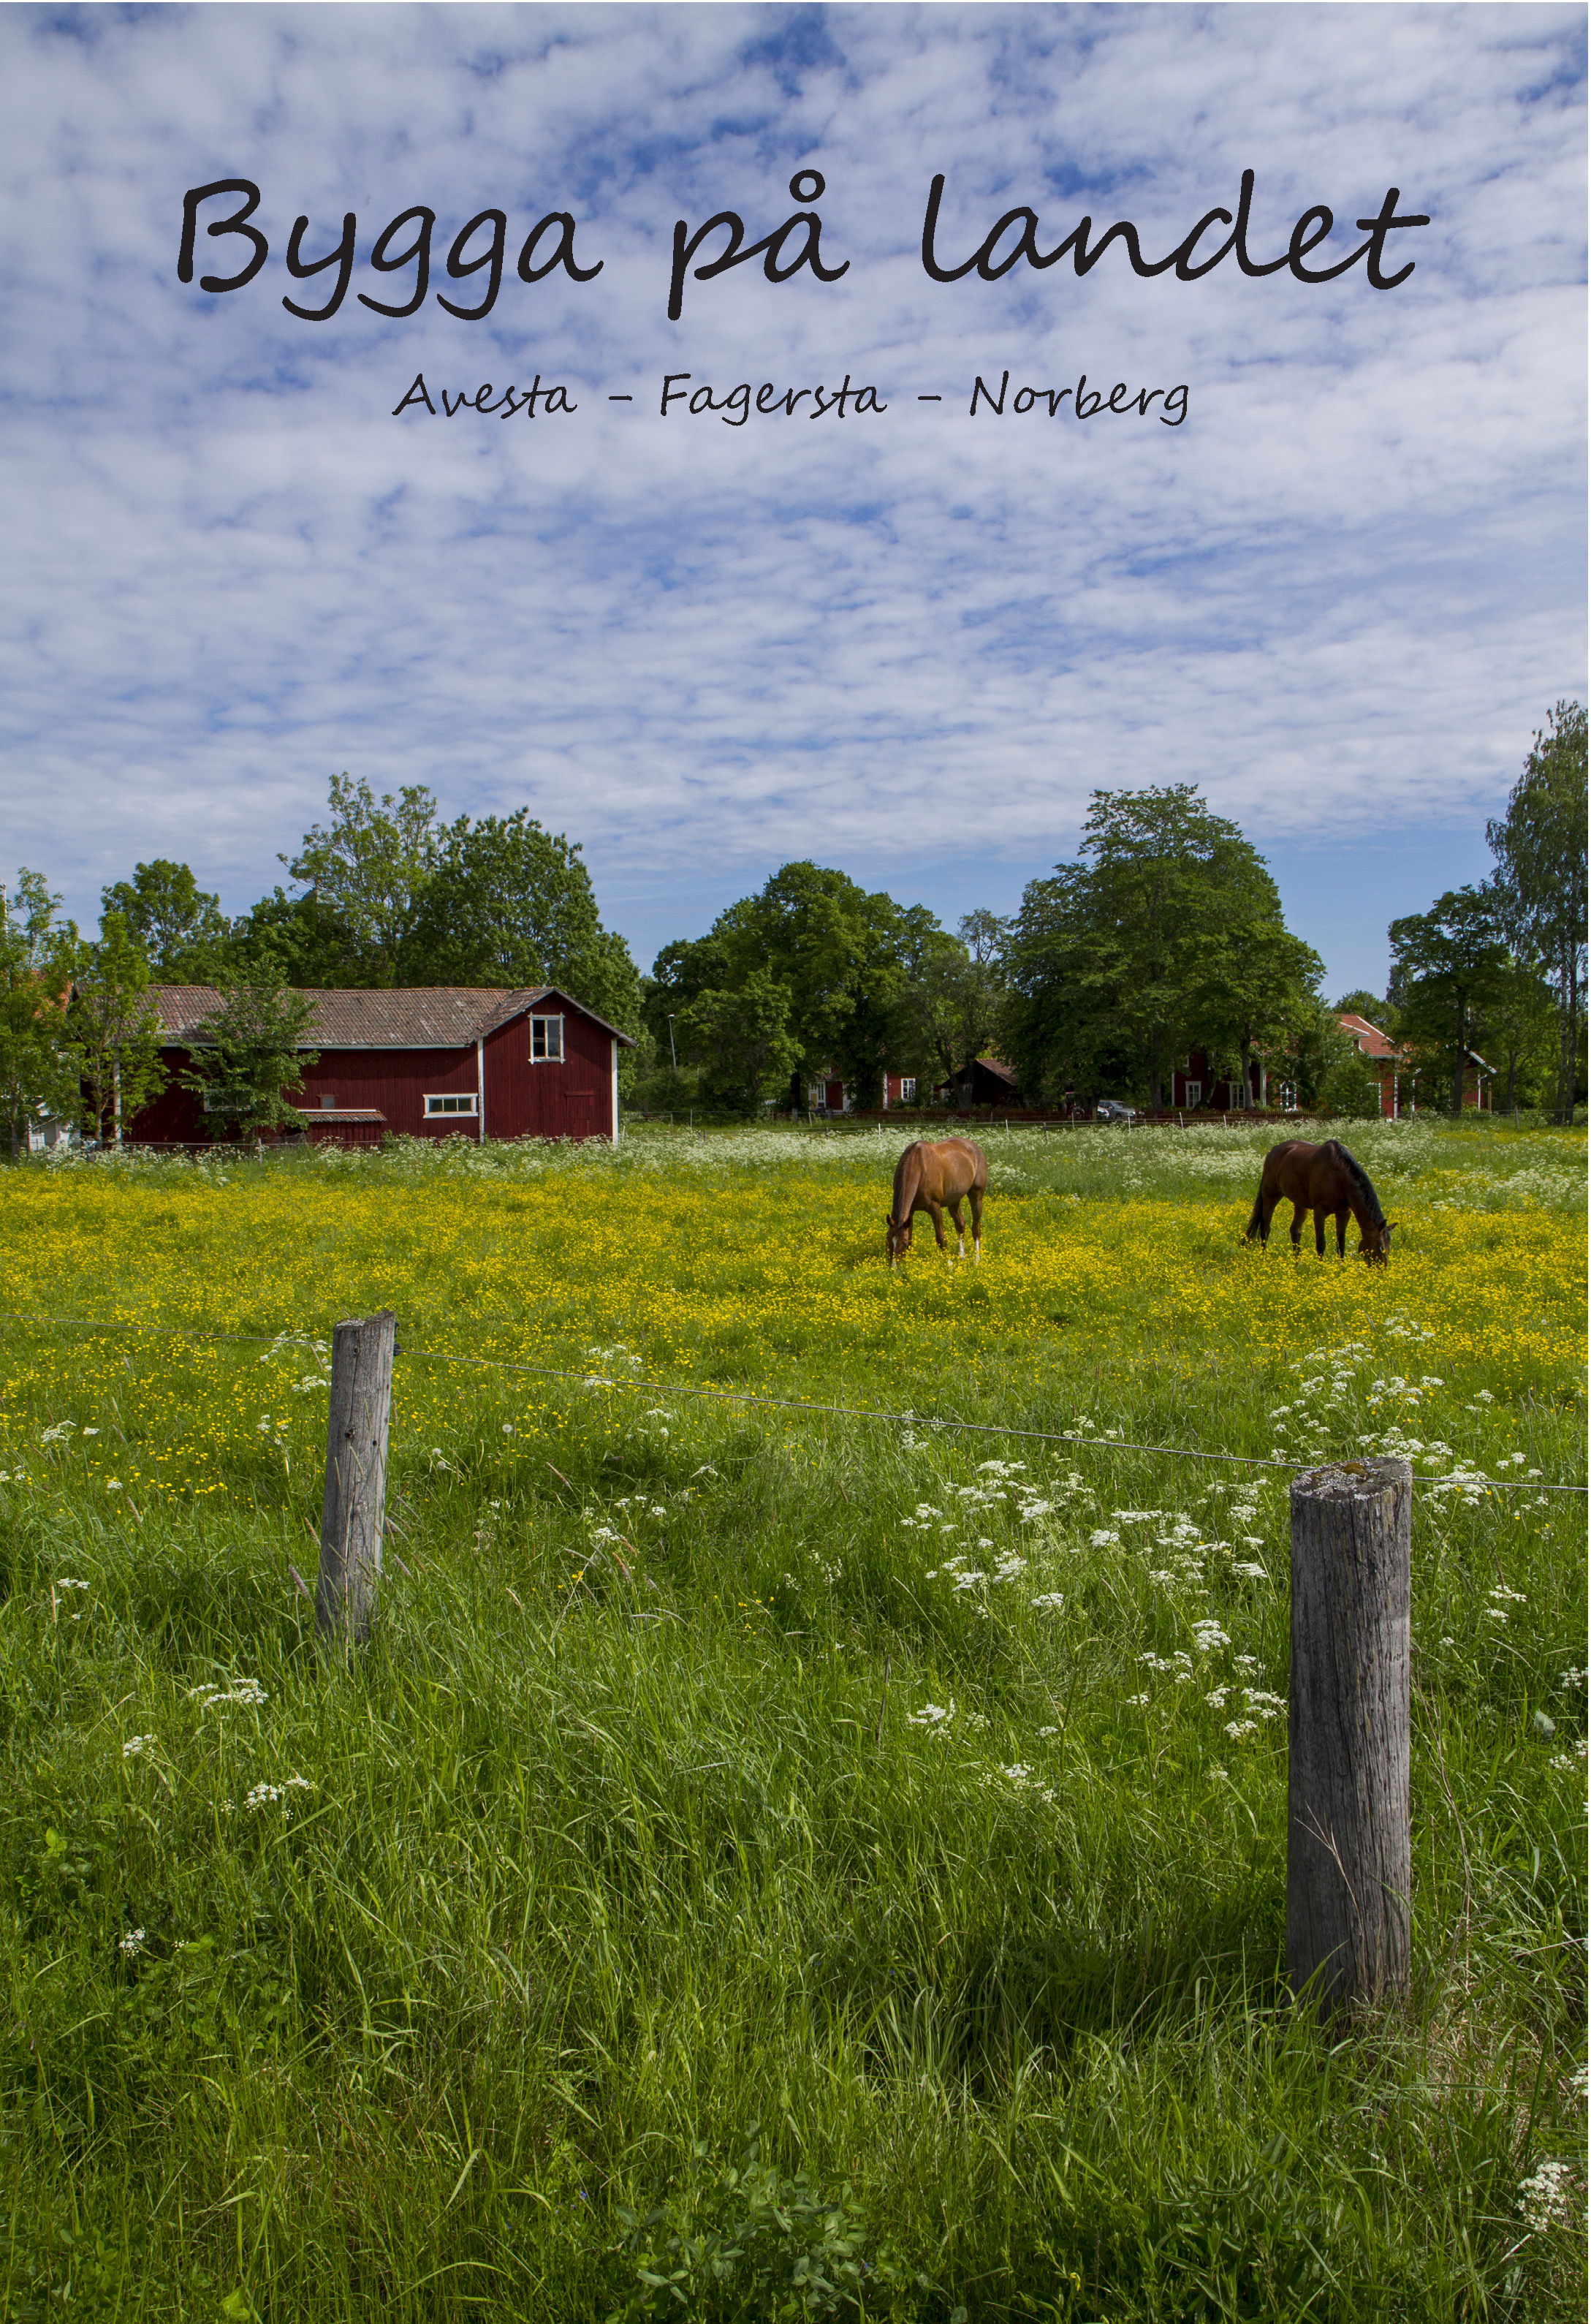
pixel 1088 1441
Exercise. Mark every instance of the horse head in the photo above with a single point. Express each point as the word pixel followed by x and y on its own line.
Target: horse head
pixel 1376 1243
pixel 897 1235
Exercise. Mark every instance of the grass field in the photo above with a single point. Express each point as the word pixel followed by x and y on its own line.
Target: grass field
pixel 775 1863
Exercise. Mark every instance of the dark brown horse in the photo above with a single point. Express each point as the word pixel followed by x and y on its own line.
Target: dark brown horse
pixel 1326 1180
pixel 932 1176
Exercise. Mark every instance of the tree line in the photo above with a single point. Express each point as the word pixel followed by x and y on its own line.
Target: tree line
pixel 1164 935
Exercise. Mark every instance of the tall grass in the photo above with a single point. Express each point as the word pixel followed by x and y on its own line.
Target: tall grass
pixel 769 1864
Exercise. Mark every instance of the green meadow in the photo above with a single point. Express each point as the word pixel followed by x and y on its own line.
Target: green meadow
pixel 771 1863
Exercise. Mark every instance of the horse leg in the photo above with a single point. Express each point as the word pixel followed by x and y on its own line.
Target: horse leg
pixel 1300 1212
pixel 955 1211
pixel 1342 1219
pixel 975 1199
pixel 937 1215
pixel 1320 1234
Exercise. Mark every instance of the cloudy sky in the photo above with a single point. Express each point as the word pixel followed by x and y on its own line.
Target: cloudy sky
pixel 1338 597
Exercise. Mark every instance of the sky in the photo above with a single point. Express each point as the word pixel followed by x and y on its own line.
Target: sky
pixel 1340 595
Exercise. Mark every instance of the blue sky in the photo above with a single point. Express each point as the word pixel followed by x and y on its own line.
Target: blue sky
pixel 1339 596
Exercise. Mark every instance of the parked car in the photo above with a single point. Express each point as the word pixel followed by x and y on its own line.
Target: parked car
pixel 1110 1109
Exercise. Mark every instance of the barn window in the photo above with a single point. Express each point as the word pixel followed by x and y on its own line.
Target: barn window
pixel 908 1090
pixel 547 1040
pixel 463 1101
pixel 1193 1094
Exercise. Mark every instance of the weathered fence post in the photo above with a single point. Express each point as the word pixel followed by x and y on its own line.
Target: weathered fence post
pixel 354 1506
pixel 1348 1732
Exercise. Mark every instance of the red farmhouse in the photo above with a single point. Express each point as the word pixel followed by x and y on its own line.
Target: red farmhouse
pixel 432 1061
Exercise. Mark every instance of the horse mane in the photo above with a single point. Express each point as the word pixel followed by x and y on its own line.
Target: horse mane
pixel 1372 1201
pixel 908 1173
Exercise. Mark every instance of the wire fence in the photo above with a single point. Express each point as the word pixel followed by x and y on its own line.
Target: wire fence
pixel 1090 1440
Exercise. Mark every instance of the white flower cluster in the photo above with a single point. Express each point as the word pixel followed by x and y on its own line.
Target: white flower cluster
pixel 267 1794
pixel 1501 1597
pixel 137 1744
pixel 215 1698
pixel 933 1715
pixel 1547 2197
pixel 132 1942
pixel 301 1341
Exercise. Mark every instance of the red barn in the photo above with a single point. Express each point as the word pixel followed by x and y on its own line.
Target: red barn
pixel 431 1061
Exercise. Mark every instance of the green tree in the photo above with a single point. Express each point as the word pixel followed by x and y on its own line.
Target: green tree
pixel 1363 1003
pixel 115 1029
pixel 1539 885
pixel 1165 936
pixel 1334 1075
pixel 511 904
pixel 180 928
pixel 1521 1024
pixel 368 869
pixel 1259 991
pixel 954 996
pixel 844 957
pixel 741 1039
pixel 296 937
pixel 246 1054
pixel 38 1063
pixel 1447 970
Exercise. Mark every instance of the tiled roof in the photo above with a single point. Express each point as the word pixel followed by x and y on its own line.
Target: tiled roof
pixel 422 1017
pixel 1372 1042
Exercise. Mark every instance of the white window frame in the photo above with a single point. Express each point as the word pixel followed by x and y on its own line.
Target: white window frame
pixel 908 1089
pixel 457 1105
pixel 1193 1094
pixel 548 1056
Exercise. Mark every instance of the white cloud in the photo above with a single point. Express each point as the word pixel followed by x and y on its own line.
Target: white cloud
pixel 1345 590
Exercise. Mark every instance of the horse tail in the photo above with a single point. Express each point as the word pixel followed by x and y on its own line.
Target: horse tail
pixel 1366 1191
pixel 1256 1216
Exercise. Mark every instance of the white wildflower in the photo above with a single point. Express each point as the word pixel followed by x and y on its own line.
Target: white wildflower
pixel 1238 1727
pixel 932 1714
pixel 1547 2197
pixel 137 1743
pixel 132 1942
pixel 1051 1601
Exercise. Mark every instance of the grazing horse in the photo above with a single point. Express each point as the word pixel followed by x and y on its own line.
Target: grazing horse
pixel 932 1174
pixel 1326 1180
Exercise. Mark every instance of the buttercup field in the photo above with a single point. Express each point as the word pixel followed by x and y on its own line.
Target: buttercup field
pixel 774 1861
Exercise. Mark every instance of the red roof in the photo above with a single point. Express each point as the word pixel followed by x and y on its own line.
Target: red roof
pixel 1372 1042
pixel 419 1017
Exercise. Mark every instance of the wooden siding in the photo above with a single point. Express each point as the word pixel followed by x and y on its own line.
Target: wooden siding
pixel 545 1097
pixel 398 1083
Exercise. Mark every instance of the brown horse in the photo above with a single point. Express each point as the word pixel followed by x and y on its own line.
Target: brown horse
pixel 1326 1180
pixel 930 1175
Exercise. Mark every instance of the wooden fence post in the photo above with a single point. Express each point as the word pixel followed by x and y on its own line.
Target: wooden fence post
pixel 1348 1732
pixel 354 1507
